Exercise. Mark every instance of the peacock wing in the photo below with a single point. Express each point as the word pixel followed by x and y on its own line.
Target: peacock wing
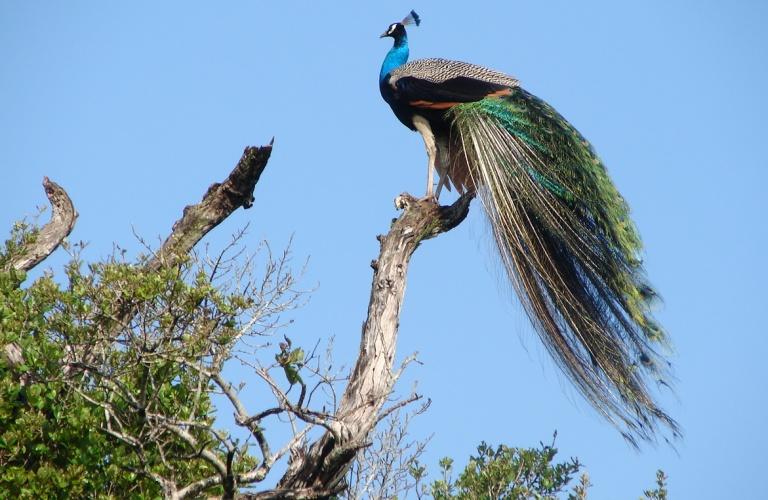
pixel 441 83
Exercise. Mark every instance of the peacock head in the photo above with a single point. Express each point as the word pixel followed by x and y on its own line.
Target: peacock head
pixel 397 30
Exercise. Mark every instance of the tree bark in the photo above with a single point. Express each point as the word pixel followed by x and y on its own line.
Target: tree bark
pixel 44 243
pixel 50 236
pixel 217 204
pixel 320 470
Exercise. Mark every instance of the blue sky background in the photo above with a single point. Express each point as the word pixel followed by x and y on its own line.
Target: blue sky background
pixel 135 108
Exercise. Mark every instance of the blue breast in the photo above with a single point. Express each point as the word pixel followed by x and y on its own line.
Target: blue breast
pixel 396 57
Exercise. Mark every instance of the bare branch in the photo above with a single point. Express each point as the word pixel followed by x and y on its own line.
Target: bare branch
pixel 305 414
pixel 218 203
pixel 208 455
pixel 323 467
pixel 50 236
pixel 256 475
pixel 414 397
pixel 407 361
pixel 241 415
pixel 385 469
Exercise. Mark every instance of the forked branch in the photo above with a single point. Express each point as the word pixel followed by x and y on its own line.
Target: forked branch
pixel 320 470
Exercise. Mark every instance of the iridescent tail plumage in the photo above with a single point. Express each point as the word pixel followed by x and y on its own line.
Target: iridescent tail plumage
pixel 571 251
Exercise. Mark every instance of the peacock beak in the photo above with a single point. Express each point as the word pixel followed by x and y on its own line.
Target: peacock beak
pixel 383 35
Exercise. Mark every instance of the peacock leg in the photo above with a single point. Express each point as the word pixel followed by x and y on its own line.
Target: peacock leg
pixel 430 176
pixel 422 125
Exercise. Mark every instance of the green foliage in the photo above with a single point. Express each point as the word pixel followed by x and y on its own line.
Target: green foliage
pixel 660 492
pixel 49 443
pixel 23 233
pixel 506 473
pixel 97 403
pixel 291 361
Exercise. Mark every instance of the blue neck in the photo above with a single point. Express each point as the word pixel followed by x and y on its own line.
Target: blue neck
pixel 396 57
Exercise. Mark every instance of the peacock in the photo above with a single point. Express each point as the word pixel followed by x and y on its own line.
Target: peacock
pixel 562 229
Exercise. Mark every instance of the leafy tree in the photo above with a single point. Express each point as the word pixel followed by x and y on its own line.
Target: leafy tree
pixel 102 407
pixel 507 473
pixel 390 468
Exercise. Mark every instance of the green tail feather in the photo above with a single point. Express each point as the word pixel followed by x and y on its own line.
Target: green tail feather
pixel 571 250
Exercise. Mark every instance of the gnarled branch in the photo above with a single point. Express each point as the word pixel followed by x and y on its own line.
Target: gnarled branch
pixel 321 469
pixel 217 204
pixel 50 236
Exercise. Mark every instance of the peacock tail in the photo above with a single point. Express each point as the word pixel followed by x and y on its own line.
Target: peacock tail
pixel 570 249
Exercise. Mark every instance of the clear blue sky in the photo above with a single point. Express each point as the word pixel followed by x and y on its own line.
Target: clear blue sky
pixel 135 108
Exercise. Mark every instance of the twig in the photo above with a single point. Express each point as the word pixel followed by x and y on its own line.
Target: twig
pixel 415 397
